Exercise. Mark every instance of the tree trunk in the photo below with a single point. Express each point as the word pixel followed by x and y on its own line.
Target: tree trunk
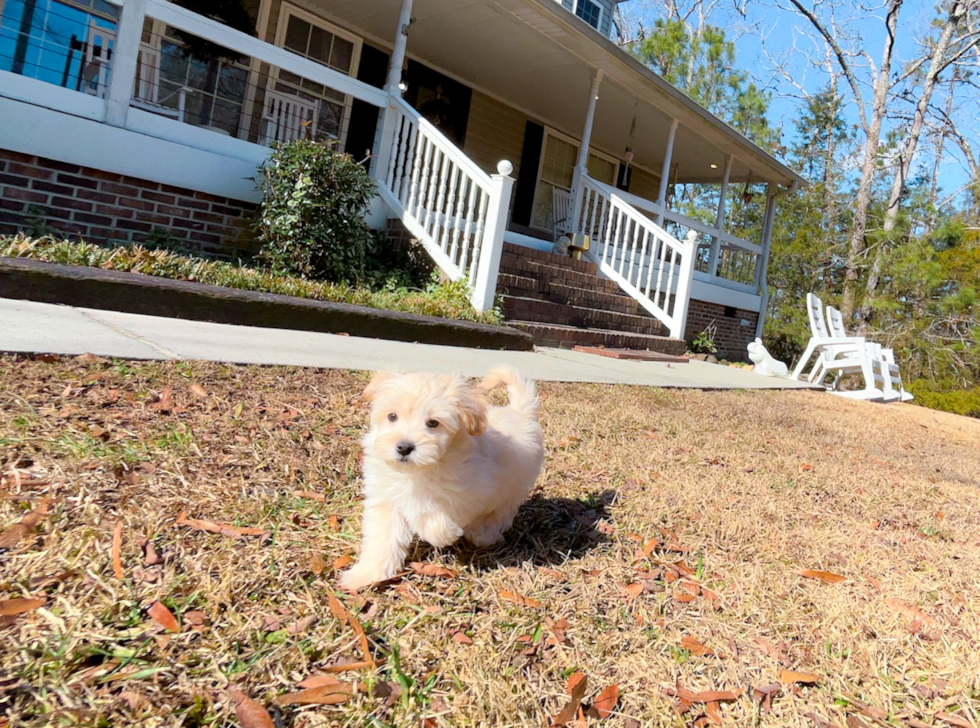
pixel 936 65
pixel 863 199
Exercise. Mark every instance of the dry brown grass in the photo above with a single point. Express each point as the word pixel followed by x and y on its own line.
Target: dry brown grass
pixel 756 486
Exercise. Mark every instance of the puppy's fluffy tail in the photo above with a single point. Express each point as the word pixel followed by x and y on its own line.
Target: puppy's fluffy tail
pixel 522 393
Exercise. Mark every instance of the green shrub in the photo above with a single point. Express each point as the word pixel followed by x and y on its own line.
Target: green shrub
pixel 958 401
pixel 446 300
pixel 311 220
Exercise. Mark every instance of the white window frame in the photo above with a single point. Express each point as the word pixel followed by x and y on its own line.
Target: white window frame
pixel 598 25
pixel 287 9
pixel 548 131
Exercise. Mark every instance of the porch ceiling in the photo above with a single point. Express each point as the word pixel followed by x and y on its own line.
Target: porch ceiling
pixel 538 57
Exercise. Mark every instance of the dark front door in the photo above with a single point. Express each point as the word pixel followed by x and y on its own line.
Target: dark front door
pixel 441 100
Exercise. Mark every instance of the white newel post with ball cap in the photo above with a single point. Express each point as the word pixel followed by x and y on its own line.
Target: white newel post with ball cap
pixel 488 264
pixel 582 163
pixel 386 128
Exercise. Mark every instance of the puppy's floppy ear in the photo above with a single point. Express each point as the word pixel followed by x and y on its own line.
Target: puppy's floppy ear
pixel 375 385
pixel 472 405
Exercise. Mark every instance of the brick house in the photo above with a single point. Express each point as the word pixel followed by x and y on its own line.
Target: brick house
pixel 495 128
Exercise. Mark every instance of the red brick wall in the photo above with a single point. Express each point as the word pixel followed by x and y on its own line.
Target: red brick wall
pixel 102 207
pixel 731 337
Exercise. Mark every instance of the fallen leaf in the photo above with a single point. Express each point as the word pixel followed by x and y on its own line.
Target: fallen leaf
pixel 577 685
pixel 650 545
pixel 713 711
pixel 955 720
pixel 433 570
pixel 519 599
pixel 553 573
pixel 117 568
pixel 163 402
pixel 327 694
pixel 212 527
pixel 605 702
pixel 317 564
pixel 196 619
pixel 334 523
pixel 23 528
pixel 88 358
pixel 301 625
pixel 632 591
pixel 150 555
pixel 250 713
pixel 163 616
pixel 345 617
pixel 685 598
pixel 198 391
pixel 694 646
pixel 806 466
pixel 309 494
pixel 11 607
pixel 605 527
pixel 133 700
pixel 462 638
pixel 336 608
pixel 789 677
pixel 825 576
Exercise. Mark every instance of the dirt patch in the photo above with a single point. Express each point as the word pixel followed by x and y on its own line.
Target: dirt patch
pixel 685 547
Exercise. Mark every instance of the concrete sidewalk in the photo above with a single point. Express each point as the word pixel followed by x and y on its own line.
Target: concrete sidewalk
pixel 30 327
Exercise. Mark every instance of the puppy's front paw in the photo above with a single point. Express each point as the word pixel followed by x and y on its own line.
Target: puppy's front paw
pixel 359 576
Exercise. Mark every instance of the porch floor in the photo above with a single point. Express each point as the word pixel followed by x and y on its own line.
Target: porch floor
pixel 45 328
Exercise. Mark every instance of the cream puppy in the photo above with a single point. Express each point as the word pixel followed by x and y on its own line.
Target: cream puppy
pixel 441 463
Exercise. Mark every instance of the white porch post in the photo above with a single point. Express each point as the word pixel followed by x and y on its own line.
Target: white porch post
pixel 720 219
pixel 122 74
pixel 582 163
pixel 488 266
pixel 665 172
pixel 398 51
pixel 386 128
pixel 762 265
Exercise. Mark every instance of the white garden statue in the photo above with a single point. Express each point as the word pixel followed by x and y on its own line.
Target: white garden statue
pixel 764 362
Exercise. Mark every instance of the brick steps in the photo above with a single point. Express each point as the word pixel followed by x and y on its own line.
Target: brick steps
pixel 563 302
pixel 567 337
pixel 525 308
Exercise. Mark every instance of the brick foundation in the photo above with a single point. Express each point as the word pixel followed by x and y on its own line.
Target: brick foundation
pixel 38 194
pixel 731 337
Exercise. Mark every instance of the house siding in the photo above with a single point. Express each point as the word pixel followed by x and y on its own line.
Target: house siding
pixel 494 132
pixel 644 184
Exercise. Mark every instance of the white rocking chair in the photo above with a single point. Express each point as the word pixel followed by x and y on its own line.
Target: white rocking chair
pixel 888 374
pixel 838 355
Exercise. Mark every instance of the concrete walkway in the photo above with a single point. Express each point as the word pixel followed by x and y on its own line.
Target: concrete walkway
pixel 30 327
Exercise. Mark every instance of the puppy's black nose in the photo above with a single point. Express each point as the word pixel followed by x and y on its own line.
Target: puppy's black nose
pixel 405 448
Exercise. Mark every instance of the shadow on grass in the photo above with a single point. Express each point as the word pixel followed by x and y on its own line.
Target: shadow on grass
pixel 546 532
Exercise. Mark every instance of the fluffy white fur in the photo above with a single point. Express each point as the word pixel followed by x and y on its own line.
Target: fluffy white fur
pixel 469 468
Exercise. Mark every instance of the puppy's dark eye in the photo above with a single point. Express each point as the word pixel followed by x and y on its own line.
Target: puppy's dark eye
pixel 392 417
pixel 432 424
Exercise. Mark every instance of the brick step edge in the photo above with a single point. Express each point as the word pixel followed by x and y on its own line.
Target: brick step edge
pixel 569 337
pixel 561 293
pixel 545 312
pixel 88 287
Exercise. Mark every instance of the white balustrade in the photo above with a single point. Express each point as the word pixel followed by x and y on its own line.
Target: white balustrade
pixel 646 261
pixel 457 211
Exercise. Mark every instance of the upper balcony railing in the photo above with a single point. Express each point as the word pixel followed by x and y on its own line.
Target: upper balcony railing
pixel 245 96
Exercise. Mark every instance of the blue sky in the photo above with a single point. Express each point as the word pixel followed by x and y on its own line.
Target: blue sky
pixel 771 34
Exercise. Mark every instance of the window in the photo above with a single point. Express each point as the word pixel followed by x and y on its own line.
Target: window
pixel 68 44
pixel 558 157
pixel 211 90
pixel 589 11
pixel 308 36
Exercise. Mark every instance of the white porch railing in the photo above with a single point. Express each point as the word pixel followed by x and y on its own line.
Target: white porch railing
pixel 737 261
pixel 646 261
pixel 456 210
